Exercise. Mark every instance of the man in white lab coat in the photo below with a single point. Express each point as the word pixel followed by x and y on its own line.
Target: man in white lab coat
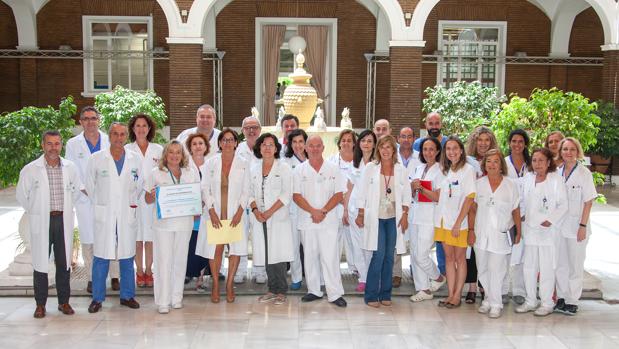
pixel 47 190
pixel 113 180
pixel 319 187
pixel 205 124
pixel 79 149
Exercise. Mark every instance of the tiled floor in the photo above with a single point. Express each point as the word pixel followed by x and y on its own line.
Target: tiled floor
pixel 248 324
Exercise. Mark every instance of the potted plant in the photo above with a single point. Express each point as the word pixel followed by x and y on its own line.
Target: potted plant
pixel 607 144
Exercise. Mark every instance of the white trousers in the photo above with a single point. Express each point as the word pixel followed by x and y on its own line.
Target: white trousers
pixel 516 276
pixel 170 250
pixel 345 243
pixel 491 271
pixel 539 259
pixel 320 249
pixel 570 269
pixel 296 268
pixel 362 257
pixel 424 268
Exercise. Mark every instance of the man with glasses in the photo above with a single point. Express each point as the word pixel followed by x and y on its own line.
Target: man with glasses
pixel 205 124
pixel 79 149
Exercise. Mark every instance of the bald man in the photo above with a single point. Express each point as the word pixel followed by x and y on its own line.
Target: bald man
pixel 381 128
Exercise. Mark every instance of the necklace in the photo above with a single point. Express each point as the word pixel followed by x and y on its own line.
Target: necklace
pixel 387 181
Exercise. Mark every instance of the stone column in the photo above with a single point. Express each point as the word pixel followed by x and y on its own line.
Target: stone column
pixel 405 87
pixel 186 84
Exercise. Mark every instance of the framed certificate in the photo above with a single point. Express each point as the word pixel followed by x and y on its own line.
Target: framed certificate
pixel 178 200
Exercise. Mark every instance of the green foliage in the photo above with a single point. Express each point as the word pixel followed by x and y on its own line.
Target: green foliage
pixel 463 106
pixel 122 103
pixel 20 135
pixel 546 111
pixel 608 138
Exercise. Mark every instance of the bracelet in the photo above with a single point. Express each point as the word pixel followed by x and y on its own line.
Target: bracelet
pixel 583 225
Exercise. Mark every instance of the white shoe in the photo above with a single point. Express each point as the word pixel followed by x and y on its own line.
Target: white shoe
pixel 543 311
pixel 436 285
pixel 525 308
pixel 164 309
pixel 261 279
pixel 494 313
pixel 178 305
pixel 484 308
pixel 420 297
pixel 239 278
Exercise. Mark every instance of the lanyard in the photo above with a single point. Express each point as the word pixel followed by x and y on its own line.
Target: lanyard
pixel 570 174
pixel 425 171
pixel 518 173
pixel 171 175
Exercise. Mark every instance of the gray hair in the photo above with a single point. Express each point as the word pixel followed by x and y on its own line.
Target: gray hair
pixel 248 118
pixel 114 123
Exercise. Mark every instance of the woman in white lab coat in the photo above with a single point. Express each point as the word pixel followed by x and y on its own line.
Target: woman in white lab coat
pixel 295 155
pixel 575 229
pixel 497 211
pixel 456 194
pixel 142 130
pixel 545 207
pixel 426 275
pixel 552 142
pixel 270 192
pixel 171 235
pixel 362 155
pixel 382 211
pixel 225 187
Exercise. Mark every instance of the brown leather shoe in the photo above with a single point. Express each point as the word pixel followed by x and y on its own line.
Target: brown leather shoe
pixel 396 281
pixel 94 307
pixel 39 312
pixel 66 309
pixel 131 303
pixel 115 284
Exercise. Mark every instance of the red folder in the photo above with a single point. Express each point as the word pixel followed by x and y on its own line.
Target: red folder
pixel 421 197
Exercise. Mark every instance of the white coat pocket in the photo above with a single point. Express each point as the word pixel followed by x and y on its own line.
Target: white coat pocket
pixel 574 196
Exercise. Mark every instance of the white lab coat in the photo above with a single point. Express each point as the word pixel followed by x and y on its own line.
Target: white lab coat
pixel 423 212
pixel 369 198
pixel 33 195
pixel 580 189
pixel 113 196
pixel 238 189
pixel 78 152
pixel 182 138
pixel 455 188
pixel 277 186
pixel 149 161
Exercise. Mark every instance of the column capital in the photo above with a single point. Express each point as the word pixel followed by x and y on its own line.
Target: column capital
pixel 184 40
pixel 407 43
pixel 610 47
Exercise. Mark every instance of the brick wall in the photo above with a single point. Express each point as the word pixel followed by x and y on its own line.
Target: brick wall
pixel 585 40
pixel 185 86
pixel 405 78
pixel 9 68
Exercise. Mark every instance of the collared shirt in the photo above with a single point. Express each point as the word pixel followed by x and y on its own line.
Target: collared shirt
pixel 54 176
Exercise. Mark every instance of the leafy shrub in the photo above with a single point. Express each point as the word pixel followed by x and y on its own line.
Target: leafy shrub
pixel 607 144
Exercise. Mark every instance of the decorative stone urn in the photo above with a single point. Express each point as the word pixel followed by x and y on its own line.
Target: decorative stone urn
pixel 300 98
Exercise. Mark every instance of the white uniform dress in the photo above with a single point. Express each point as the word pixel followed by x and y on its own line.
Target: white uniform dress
pixel 296 267
pixel 171 240
pixel 344 239
pixel 545 201
pixel 422 232
pixel 182 138
pixel 361 256
pixel 455 188
pixel 571 259
pixel 320 240
pixel 238 190
pixel 492 223
pixel 150 160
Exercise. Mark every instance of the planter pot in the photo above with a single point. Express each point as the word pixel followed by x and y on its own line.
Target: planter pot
pixel 600 164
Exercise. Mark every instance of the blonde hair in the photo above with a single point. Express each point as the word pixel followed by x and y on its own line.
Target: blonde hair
pixel 163 162
pixel 580 153
pixel 389 139
pixel 471 143
pixel 494 152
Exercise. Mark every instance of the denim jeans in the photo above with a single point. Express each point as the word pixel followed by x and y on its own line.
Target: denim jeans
pixel 100 268
pixel 378 286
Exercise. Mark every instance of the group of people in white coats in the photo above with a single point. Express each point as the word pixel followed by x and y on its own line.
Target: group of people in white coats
pixel 523 215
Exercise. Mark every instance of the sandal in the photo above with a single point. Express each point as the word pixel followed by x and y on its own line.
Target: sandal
pixel 452 306
pixel 442 304
pixel 470 297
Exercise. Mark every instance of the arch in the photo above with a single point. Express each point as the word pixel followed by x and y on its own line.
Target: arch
pixel 26 22
pixel 562 24
pixel 608 12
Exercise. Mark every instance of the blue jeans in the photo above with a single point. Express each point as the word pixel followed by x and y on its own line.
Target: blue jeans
pixel 378 285
pixel 100 269
pixel 440 257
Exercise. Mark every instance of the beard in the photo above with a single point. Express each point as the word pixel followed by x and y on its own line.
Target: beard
pixel 434 132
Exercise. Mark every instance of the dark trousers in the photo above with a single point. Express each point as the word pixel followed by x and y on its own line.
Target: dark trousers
pixel 276 273
pixel 63 275
pixel 195 263
pixel 378 285
pixel 471 269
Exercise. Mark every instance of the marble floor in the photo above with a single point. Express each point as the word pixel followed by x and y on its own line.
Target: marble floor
pixel 248 324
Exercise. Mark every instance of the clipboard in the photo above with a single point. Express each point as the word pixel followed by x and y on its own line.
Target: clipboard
pixel 224 235
pixel 511 235
pixel 428 185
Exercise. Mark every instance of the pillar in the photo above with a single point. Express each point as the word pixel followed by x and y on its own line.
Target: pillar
pixel 405 87
pixel 186 84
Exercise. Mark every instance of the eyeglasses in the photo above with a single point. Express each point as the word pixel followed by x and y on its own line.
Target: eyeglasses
pixel 264 145
pixel 407 137
pixel 90 119
pixel 228 140
pixel 251 128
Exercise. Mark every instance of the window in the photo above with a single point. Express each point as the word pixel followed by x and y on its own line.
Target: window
pixel 471 51
pixel 120 47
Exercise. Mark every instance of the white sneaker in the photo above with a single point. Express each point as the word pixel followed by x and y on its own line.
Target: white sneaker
pixel 178 305
pixel 420 297
pixel 543 311
pixel 239 278
pixel 164 309
pixel 525 308
pixel 494 313
pixel 436 285
pixel 484 308
pixel 261 279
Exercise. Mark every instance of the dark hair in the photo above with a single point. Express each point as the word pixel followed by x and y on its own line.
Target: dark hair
pixel 357 152
pixel 289 117
pixel 194 136
pixel 437 158
pixel 87 109
pixel 152 129
pixel 50 133
pixel 261 139
pixel 223 132
pixel 525 152
pixel 552 167
pixel 291 135
pixel 446 163
pixel 344 133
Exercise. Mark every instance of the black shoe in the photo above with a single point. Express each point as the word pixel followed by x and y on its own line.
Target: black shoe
pixel 131 303
pixel 310 297
pixel 94 307
pixel 187 280
pixel 340 302
pixel 222 277
pixel 570 309
pixel 115 284
pixel 560 306
pixel 89 287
